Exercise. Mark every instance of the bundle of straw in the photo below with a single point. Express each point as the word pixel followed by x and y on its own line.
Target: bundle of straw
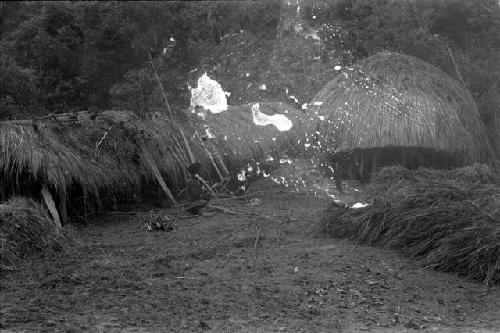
pixel 27 230
pixel 449 224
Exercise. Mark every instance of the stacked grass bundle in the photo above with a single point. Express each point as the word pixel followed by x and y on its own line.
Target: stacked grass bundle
pixel 26 230
pixel 450 220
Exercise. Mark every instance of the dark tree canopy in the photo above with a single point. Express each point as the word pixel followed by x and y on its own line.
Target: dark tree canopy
pixel 71 56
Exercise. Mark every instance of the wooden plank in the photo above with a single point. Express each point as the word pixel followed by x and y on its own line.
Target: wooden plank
pixel 51 205
pixel 157 174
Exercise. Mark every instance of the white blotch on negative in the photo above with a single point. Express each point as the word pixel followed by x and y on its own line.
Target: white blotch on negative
pixel 209 133
pixel 359 205
pixel 281 122
pixel 209 95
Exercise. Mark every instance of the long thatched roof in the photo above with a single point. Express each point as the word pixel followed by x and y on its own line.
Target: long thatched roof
pixel 111 152
pixel 390 99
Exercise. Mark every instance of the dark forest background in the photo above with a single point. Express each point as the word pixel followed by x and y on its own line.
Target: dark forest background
pixel 60 57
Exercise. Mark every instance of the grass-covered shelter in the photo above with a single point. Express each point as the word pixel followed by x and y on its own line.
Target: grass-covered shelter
pixel 396 109
pixel 80 161
pixel 87 157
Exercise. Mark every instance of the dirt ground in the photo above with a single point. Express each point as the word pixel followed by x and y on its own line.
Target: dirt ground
pixel 226 272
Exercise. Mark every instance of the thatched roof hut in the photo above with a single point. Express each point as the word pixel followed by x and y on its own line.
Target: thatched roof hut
pixel 84 155
pixel 402 103
pixel 87 155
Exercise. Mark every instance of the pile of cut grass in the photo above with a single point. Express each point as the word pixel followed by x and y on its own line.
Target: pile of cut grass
pixel 449 220
pixel 26 230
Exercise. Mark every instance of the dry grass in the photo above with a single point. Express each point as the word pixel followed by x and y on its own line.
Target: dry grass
pixel 240 141
pixel 37 149
pixel 100 153
pixel 448 220
pixel 391 100
pixel 96 153
pixel 26 230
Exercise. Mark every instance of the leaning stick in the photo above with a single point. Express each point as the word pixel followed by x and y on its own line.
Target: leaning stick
pixel 210 156
pixel 206 185
pixel 457 70
pixel 157 174
pixel 171 114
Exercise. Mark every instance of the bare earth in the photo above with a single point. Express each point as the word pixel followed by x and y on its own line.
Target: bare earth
pixel 205 276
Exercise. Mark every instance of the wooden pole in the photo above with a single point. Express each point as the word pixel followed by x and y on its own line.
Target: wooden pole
pixel 223 165
pixel 186 142
pixel 62 206
pixel 157 174
pixel 169 110
pixel 211 158
pixel 51 205
pixel 460 77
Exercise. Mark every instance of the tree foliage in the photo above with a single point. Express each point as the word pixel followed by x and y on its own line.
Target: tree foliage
pixel 70 56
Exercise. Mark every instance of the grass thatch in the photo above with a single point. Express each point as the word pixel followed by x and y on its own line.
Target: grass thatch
pixel 392 100
pixel 101 153
pixel 93 152
pixel 240 141
pixel 37 150
pixel 26 230
pixel 448 220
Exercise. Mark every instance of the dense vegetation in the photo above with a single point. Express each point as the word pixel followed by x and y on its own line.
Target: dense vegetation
pixel 70 56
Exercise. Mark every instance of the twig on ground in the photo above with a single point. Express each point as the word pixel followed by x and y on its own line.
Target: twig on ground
pixel 279 232
pixel 243 227
pixel 258 227
pixel 242 196
pixel 126 212
pixel 80 217
pixel 229 211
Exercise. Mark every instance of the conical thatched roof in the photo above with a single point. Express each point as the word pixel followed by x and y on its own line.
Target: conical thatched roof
pixel 391 100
